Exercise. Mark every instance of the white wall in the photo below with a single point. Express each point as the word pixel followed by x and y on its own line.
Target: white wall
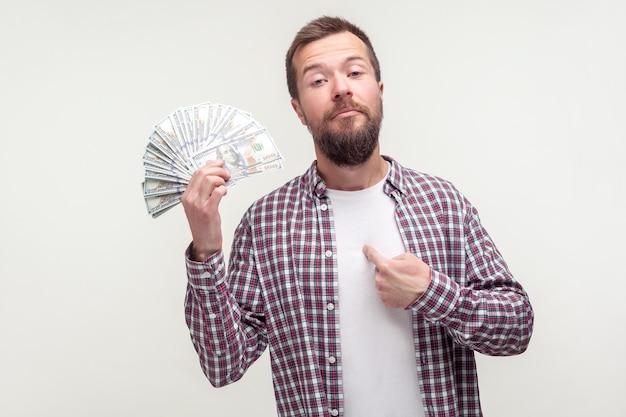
pixel 520 103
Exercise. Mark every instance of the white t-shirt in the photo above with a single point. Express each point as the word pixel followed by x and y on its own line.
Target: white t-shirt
pixel 377 348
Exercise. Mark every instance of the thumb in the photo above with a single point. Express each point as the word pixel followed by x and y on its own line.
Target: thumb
pixel 373 255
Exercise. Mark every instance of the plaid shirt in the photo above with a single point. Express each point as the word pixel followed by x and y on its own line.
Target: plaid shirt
pixel 281 291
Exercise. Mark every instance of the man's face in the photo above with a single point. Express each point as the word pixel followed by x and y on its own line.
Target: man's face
pixel 340 100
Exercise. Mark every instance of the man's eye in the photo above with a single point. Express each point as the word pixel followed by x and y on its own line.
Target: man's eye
pixel 355 73
pixel 318 82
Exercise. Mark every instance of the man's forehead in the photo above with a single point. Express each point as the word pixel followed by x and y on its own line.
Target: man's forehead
pixel 342 46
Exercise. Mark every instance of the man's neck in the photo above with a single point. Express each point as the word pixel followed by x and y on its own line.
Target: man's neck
pixel 352 178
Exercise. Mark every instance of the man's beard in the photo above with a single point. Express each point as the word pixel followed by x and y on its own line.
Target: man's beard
pixel 348 145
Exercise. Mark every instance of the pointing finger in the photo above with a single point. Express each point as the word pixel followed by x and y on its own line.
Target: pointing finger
pixel 373 255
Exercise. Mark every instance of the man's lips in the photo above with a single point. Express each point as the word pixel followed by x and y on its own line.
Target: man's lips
pixel 346 112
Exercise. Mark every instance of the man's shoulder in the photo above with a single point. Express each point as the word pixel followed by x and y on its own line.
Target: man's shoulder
pixel 415 180
pixel 286 194
pixel 426 178
pixel 421 189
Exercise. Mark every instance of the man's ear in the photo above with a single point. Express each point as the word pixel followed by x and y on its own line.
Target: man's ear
pixel 296 106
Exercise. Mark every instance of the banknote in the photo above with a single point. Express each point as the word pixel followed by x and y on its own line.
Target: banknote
pixel 190 137
pixel 240 153
pixel 158 205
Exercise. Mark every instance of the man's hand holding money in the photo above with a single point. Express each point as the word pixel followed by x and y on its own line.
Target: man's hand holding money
pixel 201 202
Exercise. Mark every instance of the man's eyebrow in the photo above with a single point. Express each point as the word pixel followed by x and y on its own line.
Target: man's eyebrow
pixel 319 65
pixel 312 67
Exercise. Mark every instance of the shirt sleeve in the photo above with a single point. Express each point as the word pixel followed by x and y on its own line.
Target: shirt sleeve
pixel 227 335
pixel 489 312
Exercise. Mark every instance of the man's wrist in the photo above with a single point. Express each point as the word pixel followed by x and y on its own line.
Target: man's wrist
pixel 197 255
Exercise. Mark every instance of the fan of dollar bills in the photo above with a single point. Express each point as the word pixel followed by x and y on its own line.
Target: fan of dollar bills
pixel 190 137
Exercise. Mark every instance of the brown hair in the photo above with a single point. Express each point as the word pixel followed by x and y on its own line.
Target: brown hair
pixel 316 30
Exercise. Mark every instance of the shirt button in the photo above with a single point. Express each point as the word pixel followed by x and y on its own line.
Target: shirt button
pixel 334 412
pixel 212 316
pixel 328 253
pixel 323 207
pixel 332 359
pixel 330 306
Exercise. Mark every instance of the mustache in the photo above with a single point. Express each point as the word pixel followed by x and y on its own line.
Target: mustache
pixel 347 103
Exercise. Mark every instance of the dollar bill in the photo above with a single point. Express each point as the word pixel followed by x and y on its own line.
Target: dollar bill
pixel 158 187
pixel 155 175
pixel 158 205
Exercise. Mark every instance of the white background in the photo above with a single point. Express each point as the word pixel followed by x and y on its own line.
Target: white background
pixel 520 103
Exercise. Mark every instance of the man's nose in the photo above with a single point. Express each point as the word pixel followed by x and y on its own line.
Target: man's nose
pixel 341 88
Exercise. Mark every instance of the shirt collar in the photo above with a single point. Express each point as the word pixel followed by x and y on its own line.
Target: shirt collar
pixel 394 186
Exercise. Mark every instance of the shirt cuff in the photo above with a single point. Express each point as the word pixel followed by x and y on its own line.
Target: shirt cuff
pixel 208 273
pixel 439 300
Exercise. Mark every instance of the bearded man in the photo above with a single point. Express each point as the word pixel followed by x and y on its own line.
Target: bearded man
pixel 371 284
